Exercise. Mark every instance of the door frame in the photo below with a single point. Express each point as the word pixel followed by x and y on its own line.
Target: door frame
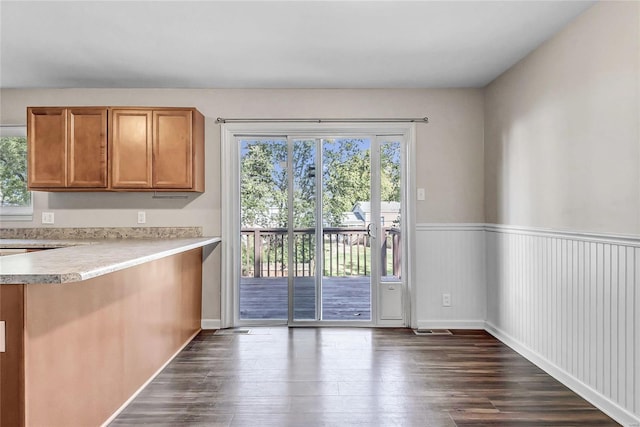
pixel 230 207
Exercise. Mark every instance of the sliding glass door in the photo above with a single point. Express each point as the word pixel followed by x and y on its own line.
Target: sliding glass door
pixel 264 220
pixel 320 229
pixel 304 283
pixel 346 244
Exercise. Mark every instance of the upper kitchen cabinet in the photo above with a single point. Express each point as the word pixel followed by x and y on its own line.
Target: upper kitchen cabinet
pixel 115 149
pixel 67 148
pixel 130 148
pixel 157 149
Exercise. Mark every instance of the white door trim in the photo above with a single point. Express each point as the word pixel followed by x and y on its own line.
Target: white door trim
pixel 230 198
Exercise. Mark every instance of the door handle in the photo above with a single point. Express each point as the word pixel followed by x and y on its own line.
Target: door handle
pixel 370 227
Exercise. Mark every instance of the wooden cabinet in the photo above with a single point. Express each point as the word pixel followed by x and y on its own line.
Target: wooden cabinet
pixel 130 146
pixel 67 148
pixel 76 352
pixel 148 149
pixel 47 147
pixel 87 147
pixel 157 149
pixel 172 149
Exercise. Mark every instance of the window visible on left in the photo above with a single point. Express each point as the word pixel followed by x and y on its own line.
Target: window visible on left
pixel 16 202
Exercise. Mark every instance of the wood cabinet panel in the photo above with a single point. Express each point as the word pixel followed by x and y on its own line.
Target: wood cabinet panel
pixel 131 148
pixel 12 360
pixel 101 339
pixel 172 149
pixel 191 293
pixel 87 161
pixel 47 147
pixel 198 151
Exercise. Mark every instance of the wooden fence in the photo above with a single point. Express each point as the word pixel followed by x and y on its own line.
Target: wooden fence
pixel 347 252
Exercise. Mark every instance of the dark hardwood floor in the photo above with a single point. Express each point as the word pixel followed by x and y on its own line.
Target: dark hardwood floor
pixel 355 377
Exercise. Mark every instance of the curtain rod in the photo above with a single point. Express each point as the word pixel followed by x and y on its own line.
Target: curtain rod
pixel 320 120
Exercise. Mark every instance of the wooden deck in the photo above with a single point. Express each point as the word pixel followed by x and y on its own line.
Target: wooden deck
pixel 344 298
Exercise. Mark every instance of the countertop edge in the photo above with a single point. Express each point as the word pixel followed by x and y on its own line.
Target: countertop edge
pixel 137 261
pixel 57 278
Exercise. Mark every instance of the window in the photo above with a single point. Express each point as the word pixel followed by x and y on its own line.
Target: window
pixel 15 200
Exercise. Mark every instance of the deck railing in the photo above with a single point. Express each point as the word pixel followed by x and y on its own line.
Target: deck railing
pixel 347 252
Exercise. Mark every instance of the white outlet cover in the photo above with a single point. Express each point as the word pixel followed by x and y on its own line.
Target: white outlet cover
pixel 446 300
pixel 142 217
pixel 48 218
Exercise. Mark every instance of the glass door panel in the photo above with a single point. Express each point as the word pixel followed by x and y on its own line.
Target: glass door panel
pixel 303 197
pixel 346 214
pixel 388 276
pixel 263 228
pixel 390 212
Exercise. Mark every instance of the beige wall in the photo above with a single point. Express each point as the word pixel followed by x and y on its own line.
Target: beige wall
pixel 449 153
pixel 562 140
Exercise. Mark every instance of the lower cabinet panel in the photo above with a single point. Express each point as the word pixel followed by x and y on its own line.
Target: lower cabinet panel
pixel 90 345
pixel 12 358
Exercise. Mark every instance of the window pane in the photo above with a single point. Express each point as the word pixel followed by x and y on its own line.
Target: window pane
pixel 13 173
pixel 264 218
pixel 391 216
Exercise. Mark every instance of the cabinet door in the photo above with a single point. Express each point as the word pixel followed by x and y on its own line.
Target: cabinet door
pixel 87 147
pixel 46 147
pixel 130 148
pixel 172 149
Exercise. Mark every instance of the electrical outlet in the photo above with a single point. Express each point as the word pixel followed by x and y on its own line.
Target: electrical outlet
pixel 142 217
pixel 48 218
pixel 421 195
pixel 446 300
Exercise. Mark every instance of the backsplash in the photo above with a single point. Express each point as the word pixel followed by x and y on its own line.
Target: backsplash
pixel 101 233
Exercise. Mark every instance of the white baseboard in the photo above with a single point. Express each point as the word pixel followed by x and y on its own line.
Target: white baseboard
pixel 210 324
pixel 451 324
pixel 607 406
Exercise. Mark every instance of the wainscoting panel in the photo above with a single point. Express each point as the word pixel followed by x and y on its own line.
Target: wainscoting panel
pixel 450 258
pixel 571 302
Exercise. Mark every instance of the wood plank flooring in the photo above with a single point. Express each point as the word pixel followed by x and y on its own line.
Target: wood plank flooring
pixel 355 377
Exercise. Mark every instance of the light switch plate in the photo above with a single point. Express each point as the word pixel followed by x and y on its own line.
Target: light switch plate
pixel 48 218
pixel 2 337
pixel 421 195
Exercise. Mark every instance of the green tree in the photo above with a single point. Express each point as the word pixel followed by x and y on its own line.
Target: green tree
pixel 390 174
pixel 261 184
pixel 13 172
pixel 346 177
pixel 304 184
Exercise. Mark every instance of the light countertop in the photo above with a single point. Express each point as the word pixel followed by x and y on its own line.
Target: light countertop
pixel 77 260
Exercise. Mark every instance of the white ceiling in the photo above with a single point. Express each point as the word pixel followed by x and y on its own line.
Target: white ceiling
pixel 269 44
